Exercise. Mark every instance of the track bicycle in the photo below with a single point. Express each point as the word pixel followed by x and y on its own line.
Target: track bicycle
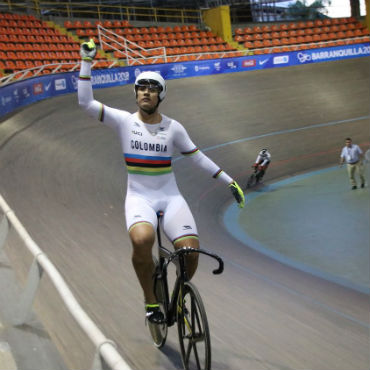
pixel 184 306
pixel 255 177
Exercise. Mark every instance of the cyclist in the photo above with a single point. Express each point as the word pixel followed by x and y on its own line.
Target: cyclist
pixel 148 140
pixel 262 162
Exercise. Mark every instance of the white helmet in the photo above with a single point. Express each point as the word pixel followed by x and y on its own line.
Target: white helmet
pixel 153 78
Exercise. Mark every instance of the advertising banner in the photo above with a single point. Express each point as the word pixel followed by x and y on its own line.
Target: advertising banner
pixel 22 93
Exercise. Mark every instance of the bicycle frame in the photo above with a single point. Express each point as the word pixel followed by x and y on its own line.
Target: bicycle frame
pixel 178 258
pixel 164 258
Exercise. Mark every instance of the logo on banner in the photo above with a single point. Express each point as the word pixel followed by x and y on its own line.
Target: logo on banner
pixel 249 63
pixel 137 72
pixel 16 95
pixel 74 80
pixel 282 59
pixel 217 66
pixel 344 52
pixel 60 84
pixel 109 78
pixel 231 65
pixel 25 92
pixel 178 69
pixel 5 100
pixel 303 57
pixel 38 88
pixel 262 62
pixel 47 86
pixel 198 68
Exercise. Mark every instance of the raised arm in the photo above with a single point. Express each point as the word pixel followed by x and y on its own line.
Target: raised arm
pixel 94 108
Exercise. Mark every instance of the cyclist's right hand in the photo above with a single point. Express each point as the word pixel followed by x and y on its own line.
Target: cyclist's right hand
pixel 88 50
pixel 237 193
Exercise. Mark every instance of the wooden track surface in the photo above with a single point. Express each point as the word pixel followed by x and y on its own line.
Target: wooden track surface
pixel 63 175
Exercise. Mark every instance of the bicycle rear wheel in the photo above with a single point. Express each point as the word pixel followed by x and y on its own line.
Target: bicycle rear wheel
pixel 193 331
pixel 159 331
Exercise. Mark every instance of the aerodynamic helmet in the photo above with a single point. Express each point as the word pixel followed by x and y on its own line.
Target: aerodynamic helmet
pixel 152 78
pixel 263 151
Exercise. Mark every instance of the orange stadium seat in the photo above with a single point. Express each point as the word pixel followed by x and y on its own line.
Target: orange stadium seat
pixel 248 30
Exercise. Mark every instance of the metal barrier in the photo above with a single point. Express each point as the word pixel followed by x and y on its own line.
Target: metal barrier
pixel 52 67
pixel 132 51
pixel 106 353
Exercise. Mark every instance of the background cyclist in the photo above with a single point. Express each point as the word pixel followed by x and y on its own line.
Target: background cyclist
pixel 262 162
pixel 148 140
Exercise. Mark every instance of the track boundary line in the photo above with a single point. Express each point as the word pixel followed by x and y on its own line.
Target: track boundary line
pixel 280 132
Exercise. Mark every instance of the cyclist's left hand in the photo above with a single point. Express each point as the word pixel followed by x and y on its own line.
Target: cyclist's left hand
pixel 88 50
pixel 237 193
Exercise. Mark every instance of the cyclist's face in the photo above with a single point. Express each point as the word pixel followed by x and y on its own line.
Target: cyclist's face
pixel 348 143
pixel 147 96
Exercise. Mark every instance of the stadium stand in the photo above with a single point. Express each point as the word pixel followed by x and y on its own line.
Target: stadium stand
pixel 46 47
pixel 27 42
pixel 302 35
pixel 183 41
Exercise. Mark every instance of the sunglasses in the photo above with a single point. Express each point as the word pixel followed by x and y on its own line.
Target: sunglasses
pixel 151 85
pixel 151 88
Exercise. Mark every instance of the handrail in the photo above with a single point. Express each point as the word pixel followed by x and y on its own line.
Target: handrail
pixel 104 34
pixel 105 346
pixel 36 71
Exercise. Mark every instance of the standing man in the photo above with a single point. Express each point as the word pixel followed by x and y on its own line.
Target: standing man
pixel 352 155
pixel 148 141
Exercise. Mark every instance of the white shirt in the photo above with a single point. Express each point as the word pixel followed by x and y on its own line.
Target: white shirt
pixel 263 158
pixel 351 154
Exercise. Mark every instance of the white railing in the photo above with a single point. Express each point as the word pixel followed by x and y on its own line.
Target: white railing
pixel 52 67
pixel 106 353
pixel 131 51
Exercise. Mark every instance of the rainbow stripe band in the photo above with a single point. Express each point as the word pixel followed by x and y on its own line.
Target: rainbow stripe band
pixel 101 113
pixel 188 236
pixel 192 152
pixel 217 174
pixel 139 223
pixel 85 78
pixel 147 165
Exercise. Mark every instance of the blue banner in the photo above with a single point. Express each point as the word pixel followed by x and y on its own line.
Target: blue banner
pixel 22 93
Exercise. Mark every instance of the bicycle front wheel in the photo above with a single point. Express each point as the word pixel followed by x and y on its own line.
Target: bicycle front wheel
pixel 251 180
pixel 192 325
